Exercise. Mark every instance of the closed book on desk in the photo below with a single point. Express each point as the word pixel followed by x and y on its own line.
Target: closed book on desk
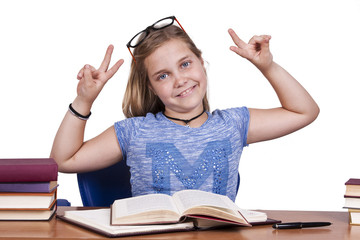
pixel 26 200
pixel 352 187
pixel 44 187
pixel 28 170
pixel 28 213
pixel 352 202
pixel 354 216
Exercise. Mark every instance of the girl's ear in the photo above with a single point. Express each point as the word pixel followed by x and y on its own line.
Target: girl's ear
pixel 202 61
pixel 203 64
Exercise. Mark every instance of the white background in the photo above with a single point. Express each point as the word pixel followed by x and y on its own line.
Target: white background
pixel 43 45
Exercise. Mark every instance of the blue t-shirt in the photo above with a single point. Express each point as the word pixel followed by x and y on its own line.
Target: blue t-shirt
pixel 165 157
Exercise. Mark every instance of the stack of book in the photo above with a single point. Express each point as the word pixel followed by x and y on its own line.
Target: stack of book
pixel 352 200
pixel 28 189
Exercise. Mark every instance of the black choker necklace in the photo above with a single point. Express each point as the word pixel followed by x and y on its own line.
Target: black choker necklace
pixel 186 121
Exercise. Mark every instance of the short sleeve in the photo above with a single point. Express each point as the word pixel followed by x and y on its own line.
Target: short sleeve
pixel 125 131
pixel 241 118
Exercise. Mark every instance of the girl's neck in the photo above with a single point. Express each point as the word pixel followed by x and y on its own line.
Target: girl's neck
pixel 194 119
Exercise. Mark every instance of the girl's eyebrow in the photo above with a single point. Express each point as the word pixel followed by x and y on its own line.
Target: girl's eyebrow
pixel 158 72
pixel 183 58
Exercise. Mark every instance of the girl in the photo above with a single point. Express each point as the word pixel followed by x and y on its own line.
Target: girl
pixel 170 139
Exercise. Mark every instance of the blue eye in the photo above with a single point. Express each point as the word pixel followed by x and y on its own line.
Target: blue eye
pixel 185 64
pixel 162 76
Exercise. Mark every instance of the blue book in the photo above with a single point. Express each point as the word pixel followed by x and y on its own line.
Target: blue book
pixel 32 187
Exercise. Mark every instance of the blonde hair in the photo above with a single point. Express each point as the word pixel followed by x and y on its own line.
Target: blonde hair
pixel 139 98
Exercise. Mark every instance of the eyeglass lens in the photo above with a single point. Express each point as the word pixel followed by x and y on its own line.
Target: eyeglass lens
pixel 163 23
pixel 138 38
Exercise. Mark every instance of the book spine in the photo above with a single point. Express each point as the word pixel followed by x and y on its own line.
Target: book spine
pixel 22 194
pixel 42 187
pixel 351 196
pixel 28 173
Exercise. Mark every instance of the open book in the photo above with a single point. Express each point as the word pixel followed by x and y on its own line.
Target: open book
pixel 98 220
pixel 187 210
pixel 162 208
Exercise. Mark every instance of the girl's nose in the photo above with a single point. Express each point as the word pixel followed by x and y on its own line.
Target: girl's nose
pixel 180 80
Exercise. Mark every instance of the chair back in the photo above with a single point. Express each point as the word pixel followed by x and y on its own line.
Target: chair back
pixel 100 188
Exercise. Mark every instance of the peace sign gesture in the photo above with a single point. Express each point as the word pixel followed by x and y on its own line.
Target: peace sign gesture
pixel 256 51
pixel 91 80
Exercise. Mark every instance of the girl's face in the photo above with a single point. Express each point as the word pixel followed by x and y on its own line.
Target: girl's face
pixel 177 76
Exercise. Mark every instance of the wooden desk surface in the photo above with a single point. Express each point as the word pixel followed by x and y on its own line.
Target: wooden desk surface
pixel 57 229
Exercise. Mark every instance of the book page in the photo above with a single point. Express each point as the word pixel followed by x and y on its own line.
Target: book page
pixel 136 205
pixel 191 198
pixel 253 216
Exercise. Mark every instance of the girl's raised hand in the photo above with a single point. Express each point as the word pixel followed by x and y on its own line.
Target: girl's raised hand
pixel 256 51
pixel 91 80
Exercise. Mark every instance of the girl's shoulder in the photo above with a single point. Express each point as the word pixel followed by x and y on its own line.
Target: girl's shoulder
pixel 128 129
pixel 136 122
pixel 239 113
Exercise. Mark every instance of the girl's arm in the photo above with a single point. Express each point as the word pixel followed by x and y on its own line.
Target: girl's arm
pixel 297 110
pixel 69 150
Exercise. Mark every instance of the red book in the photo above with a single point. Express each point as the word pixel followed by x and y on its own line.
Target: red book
pixel 28 170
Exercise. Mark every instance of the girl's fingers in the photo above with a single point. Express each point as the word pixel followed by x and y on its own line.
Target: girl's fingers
pixel 266 37
pixel 241 46
pixel 103 74
pixel 81 72
pixel 239 51
pixel 105 63
pixel 263 40
pixel 114 69
pixel 87 72
pixel 240 43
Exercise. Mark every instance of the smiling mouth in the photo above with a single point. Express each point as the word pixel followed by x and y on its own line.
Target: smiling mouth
pixel 186 92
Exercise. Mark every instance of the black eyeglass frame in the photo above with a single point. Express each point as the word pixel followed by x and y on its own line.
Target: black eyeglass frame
pixel 147 31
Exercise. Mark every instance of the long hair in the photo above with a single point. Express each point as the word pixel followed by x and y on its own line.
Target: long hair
pixel 139 98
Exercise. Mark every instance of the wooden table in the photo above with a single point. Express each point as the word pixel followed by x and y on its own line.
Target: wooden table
pixel 57 229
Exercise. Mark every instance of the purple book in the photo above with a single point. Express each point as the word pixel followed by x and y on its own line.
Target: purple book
pixel 32 187
pixel 28 170
pixel 353 181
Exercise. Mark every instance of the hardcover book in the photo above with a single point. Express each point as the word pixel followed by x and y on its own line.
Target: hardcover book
pixel 354 216
pixel 352 202
pixel 28 170
pixel 98 220
pixel 12 201
pixel 28 213
pixel 187 210
pixel 352 187
pixel 44 187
